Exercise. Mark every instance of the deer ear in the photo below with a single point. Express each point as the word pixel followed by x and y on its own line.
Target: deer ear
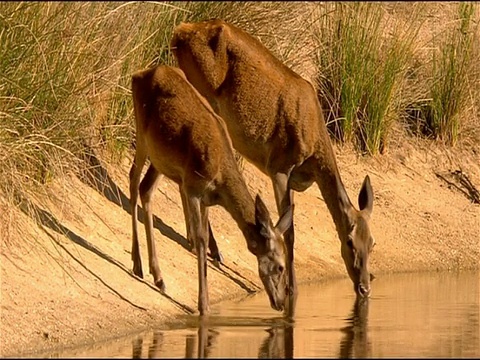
pixel 286 220
pixel 217 42
pixel 365 197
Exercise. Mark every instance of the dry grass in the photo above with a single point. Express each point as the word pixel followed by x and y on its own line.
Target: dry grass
pixel 65 72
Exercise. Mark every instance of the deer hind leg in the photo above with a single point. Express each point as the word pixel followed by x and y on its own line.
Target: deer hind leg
pixel 199 226
pixel 284 198
pixel 212 243
pixel 147 188
pixel 187 220
pixel 214 250
pixel 135 173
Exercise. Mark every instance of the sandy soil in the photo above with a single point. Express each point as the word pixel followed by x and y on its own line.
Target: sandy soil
pixel 67 281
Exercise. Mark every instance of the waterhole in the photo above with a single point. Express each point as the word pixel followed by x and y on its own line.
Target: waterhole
pixel 408 315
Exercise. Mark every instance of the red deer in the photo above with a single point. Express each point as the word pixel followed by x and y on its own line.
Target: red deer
pixel 186 141
pixel 275 121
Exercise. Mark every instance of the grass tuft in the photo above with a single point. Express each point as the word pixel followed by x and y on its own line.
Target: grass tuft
pixel 361 71
pixel 452 66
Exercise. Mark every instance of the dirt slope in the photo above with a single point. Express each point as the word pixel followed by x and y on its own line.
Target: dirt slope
pixel 68 281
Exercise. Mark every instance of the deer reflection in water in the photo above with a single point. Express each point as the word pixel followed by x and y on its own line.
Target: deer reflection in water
pixel 206 337
pixel 279 342
pixel 154 349
pixel 355 342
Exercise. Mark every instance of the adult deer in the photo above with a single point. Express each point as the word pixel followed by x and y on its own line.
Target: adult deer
pixel 275 121
pixel 187 142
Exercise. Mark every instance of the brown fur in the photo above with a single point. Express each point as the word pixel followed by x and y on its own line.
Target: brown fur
pixel 275 121
pixel 186 141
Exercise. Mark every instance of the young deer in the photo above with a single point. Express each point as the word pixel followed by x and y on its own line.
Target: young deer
pixel 187 142
pixel 275 121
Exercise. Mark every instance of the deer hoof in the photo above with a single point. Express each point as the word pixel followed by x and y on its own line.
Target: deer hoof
pixel 138 271
pixel 219 258
pixel 161 285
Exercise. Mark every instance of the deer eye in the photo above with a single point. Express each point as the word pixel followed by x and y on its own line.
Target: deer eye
pixel 350 243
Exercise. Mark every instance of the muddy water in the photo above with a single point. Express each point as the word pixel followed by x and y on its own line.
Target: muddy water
pixel 408 315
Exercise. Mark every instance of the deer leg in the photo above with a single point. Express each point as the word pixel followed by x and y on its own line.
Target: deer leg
pixel 188 223
pixel 135 173
pixel 214 250
pixel 199 226
pixel 205 239
pixel 212 243
pixel 147 188
pixel 284 198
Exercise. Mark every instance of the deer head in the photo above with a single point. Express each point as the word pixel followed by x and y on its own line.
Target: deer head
pixel 358 242
pixel 268 246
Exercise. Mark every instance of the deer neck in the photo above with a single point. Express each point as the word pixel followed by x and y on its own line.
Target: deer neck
pixel 237 200
pixel 333 190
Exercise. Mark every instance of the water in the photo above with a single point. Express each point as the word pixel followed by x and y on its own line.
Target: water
pixel 408 315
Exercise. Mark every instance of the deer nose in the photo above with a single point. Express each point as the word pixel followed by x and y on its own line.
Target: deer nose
pixel 364 291
pixel 275 304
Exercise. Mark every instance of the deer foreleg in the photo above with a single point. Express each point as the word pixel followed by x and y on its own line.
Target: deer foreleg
pixel 212 243
pixel 199 226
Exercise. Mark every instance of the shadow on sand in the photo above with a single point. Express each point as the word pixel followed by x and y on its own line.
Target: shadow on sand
pixel 47 220
pixel 97 177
